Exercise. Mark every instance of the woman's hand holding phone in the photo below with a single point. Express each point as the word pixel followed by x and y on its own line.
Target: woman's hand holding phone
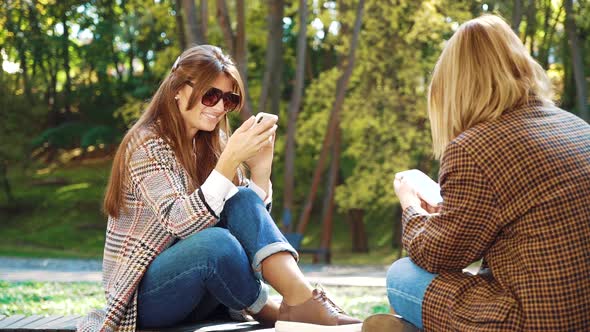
pixel 252 143
pixel 261 163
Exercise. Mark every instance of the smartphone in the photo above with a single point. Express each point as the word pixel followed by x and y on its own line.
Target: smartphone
pixel 264 117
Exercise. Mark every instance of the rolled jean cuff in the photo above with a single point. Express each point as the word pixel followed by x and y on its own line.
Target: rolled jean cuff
pixel 255 307
pixel 268 251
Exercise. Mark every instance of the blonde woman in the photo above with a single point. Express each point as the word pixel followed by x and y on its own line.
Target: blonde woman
pixel 515 180
pixel 187 233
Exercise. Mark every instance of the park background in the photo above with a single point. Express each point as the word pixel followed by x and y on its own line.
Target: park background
pixel 348 80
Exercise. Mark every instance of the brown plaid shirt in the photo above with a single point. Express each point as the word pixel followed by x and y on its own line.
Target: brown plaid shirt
pixel 517 195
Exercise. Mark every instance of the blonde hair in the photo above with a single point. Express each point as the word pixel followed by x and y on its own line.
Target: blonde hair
pixel 202 65
pixel 483 70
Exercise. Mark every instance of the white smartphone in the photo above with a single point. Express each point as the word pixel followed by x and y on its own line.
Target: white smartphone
pixel 263 117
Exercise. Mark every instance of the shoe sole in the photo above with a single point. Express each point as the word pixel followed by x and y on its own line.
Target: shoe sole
pixel 284 326
pixel 387 323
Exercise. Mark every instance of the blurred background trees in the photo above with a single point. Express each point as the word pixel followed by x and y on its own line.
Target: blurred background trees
pixel 75 74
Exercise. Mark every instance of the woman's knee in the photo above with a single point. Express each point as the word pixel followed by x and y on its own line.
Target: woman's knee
pixel 220 243
pixel 406 287
pixel 222 240
pixel 404 271
pixel 398 273
pixel 405 278
pixel 245 193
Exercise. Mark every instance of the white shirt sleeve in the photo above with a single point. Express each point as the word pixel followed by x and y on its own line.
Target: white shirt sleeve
pixel 266 198
pixel 217 189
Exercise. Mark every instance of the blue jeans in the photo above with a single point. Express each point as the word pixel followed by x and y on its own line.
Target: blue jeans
pixel 406 286
pixel 217 266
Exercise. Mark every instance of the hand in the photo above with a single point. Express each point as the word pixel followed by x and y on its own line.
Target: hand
pixel 429 208
pixel 405 192
pixel 244 144
pixel 261 164
pixel 409 197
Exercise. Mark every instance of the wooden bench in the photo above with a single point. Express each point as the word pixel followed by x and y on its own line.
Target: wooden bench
pixel 68 323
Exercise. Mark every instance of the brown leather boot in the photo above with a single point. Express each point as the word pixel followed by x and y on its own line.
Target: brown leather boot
pixel 387 323
pixel 318 314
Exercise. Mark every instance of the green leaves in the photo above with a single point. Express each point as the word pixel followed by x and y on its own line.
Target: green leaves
pixel 384 120
pixel 119 51
pixel 99 135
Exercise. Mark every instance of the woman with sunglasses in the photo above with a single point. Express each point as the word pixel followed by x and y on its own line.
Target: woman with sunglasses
pixel 187 232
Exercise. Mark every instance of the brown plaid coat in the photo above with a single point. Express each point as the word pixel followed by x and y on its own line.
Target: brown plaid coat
pixel 517 195
pixel 160 209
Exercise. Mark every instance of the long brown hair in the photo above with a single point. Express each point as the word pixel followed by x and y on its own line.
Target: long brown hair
pixel 202 65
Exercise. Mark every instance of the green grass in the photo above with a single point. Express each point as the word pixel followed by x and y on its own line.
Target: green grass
pixel 49 298
pixel 54 298
pixel 57 214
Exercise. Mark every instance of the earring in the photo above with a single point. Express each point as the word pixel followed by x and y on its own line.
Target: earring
pixel 176 98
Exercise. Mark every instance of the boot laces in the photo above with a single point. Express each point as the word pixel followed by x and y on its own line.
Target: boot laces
pixel 327 303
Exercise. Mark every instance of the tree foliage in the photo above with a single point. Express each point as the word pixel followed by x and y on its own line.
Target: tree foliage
pixel 78 73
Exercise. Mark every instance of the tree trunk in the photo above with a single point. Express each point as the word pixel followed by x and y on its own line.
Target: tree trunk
pixel 294 106
pixel 204 9
pixel 130 57
pixel 53 117
pixel 274 44
pixel 21 49
pixel 192 26
pixel 358 234
pixel 66 58
pixel 240 42
pixel 130 39
pixel 90 74
pixel 113 52
pixel 548 38
pixel 276 86
pixel 531 25
pixel 225 24
pixel 308 66
pixel 577 62
pixel 5 183
pixel 277 78
pixel 25 74
pixel 37 46
pixel 328 214
pixel 241 56
pixel 115 58
pixel 1 64
pixel 516 16
pixel 146 65
pixel 180 24
pixel 334 115
pixel 236 45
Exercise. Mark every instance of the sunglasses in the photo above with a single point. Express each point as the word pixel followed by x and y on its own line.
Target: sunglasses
pixel 212 96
